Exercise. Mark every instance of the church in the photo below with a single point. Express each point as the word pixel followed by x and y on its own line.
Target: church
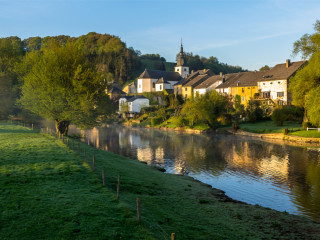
pixel 158 81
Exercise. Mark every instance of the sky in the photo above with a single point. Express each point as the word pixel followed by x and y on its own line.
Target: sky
pixel 246 33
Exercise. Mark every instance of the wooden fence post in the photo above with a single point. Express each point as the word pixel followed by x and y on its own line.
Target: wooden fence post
pixel 103 178
pixel 138 210
pixel 173 236
pixel 118 187
pixel 93 160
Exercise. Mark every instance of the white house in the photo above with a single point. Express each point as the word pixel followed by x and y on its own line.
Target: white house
pixel 157 80
pixel 208 85
pixel 274 84
pixel 133 104
pixel 149 78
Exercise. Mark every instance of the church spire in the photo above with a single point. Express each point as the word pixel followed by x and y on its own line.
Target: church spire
pixel 181 49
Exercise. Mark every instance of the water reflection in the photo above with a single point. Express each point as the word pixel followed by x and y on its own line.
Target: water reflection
pixel 278 176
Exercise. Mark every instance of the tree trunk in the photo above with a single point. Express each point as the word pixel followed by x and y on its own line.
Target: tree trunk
pixel 62 127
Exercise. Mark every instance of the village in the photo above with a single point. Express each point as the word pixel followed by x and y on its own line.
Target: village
pixel 270 87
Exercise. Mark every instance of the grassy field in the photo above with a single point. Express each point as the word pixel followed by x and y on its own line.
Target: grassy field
pixel 48 192
pixel 305 133
pixel 269 127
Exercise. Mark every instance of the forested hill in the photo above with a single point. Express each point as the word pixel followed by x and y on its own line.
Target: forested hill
pixel 110 56
pixel 195 62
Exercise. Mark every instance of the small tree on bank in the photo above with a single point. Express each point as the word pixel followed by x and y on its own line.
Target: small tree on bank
pixel 60 84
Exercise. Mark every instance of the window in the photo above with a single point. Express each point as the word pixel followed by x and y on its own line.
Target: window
pixel 186 95
pixel 154 85
pixel 160 87
pixel 242 90
pixel 264 83
pixel 248 88
pixel 243 99
pixel 280 94
pixel 185 69
pixel 139 85
pixel 278 82
pixel 271 82
pixel 252 87
pixel 186 89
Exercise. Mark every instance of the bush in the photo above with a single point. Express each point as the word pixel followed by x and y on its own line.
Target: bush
pixel 278 116
pixel 294 114
pixel 287 113
pixel 156 121
pixel 179 121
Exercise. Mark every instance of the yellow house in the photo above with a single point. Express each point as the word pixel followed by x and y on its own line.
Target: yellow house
pixel 246 86
pixel 194 80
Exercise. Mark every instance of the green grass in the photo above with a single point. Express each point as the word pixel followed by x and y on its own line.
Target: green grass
pixel 47 192
pixel 305 133
pixel 269 127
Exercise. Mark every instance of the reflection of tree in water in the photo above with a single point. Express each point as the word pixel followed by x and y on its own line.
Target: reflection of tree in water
pixel 306 182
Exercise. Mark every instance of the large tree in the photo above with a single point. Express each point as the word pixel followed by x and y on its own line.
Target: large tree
pixel 61 85
pixel 305 85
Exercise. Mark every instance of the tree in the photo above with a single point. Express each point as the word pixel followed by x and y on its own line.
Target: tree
pixel 264 68
pixel 308 44
pixel 60 84
pixel 212 105
pixel 306 81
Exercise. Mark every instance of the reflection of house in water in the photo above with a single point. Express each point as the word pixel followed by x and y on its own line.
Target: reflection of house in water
pixel 271 166
pixel 145 154
pixel 94 137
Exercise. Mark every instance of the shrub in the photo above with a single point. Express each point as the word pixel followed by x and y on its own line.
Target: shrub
pixel 156 121
pixel 179 121
pixel 294 114
pixel 278 116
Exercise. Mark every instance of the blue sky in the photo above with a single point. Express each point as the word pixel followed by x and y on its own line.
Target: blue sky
pixel 248 33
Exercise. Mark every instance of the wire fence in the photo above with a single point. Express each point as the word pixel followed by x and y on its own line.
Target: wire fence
pixel 89 156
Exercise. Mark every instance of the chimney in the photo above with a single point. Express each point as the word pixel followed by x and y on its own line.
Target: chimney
pixel 221 74
pixel 288 63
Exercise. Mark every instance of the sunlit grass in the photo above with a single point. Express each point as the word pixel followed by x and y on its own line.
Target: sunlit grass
pixel 269 127
pixel 305 133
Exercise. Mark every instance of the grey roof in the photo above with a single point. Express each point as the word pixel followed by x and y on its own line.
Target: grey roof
pixel 157 74
pixel 196 81
pixel 208 82
pixel 132 98
pixel 162 80
pixel 280 71
pixel 116 90
pixel 248 79
pixel 230 79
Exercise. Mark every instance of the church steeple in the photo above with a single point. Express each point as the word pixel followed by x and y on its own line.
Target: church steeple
pixel 181 67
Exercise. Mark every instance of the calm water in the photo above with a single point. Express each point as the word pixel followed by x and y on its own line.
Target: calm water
pixel 277 176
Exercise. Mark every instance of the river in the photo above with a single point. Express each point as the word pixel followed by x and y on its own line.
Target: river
pixel 277 176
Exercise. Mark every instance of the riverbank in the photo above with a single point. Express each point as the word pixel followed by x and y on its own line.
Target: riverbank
pixel 275 133
pixel 169 203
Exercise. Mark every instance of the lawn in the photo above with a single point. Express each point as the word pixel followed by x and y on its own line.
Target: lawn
pixel 48 192
pixel 305 133
pixel 269 127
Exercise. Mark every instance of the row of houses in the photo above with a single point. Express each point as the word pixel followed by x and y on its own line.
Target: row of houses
pixel 270 87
